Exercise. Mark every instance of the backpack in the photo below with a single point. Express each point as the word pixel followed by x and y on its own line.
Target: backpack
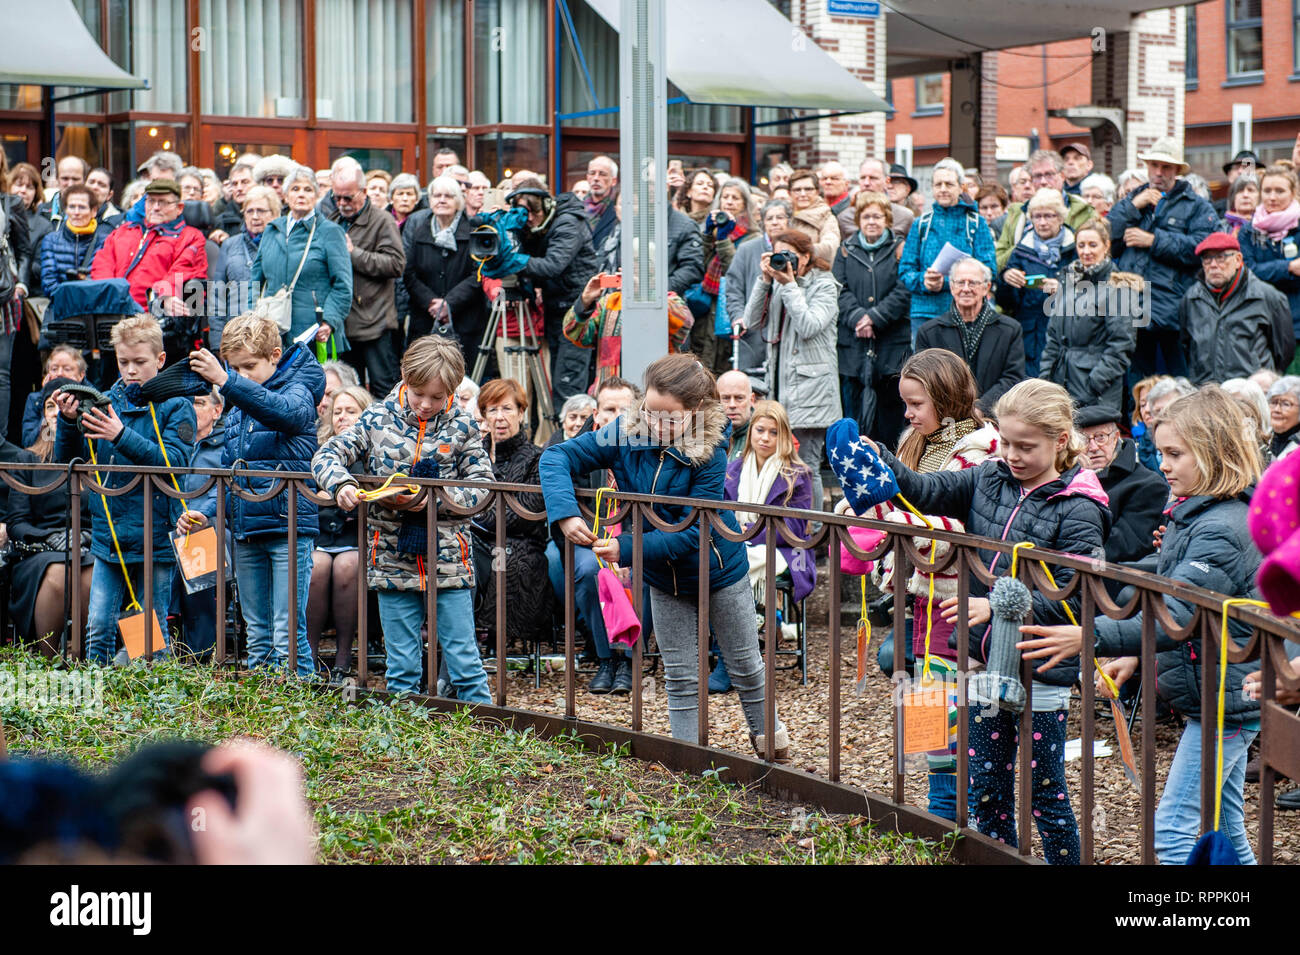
pixel 972 218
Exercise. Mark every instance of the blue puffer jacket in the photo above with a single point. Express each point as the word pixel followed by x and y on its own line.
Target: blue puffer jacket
pixel 1267 259
pixel 697 468
pixel 63 251
pixel 271 427
pixel 1069 515
pixel 138 445
pixel 1179 222
pixel 1206 543
pixel 963 226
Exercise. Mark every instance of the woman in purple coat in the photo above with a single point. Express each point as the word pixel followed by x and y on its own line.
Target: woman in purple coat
pixel 770 472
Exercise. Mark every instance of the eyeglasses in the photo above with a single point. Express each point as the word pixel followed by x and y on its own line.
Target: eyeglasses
pixel 675 419
pixel 1283 404
pixel 257 212
pixel 967 283
pixel 273 179
pixel 1043 176
pixel 1102 437
pixel 1224 256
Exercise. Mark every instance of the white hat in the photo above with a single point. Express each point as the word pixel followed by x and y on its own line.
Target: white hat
pixel 1167 150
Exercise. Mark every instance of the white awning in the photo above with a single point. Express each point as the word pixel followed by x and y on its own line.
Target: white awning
pixel 58 51
pixel 744 53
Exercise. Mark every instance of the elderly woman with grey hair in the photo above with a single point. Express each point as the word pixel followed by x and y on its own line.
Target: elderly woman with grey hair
pixel 1284 415
pixel 304 244
pixel 440 277
pixel 1034 269
pixel 1098 190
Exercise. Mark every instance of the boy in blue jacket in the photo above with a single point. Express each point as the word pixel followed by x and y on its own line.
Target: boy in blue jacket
pixel 146 435
pixel 271 426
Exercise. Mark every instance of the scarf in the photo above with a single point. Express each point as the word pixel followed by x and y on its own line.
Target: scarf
pixel 1276 225
pixel 755 485
pixel 712 280
pixel 940 445
pixel 255 237
pixel 594 207
pixel 872 246
pixel 87 229
pixel 1278 442
pixel 972 332
pixel 1049 250
pixel 1221 295
pixel 444 238
pixel 1234 222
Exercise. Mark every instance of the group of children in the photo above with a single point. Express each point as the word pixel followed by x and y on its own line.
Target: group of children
pixel 1024 482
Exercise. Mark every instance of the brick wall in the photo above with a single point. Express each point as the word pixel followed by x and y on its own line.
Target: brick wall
pixel 858 46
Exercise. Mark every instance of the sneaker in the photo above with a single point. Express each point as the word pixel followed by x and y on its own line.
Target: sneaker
pixel 719 678
pixel 782 754
pixel 603 681
pixel 1289 800
pixel 122 659
pixel 622 675
pixel 1252 770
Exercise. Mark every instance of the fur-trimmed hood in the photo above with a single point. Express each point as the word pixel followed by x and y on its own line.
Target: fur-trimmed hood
pixel 709 426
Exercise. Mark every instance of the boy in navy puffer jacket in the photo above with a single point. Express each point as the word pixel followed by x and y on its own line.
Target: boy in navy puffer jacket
pixel 148 435
pixel 271 426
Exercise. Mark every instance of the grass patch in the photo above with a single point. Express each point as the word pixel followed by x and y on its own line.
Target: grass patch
pixel 399 784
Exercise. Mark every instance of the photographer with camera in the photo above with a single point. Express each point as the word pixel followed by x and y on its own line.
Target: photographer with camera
pixel 67 252
pixel 558 257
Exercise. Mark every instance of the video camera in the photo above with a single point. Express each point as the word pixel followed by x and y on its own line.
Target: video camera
pixel 495 242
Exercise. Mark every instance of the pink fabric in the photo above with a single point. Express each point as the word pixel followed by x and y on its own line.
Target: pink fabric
pixel 868 540
pixel 621 625
pixel 1085 483
pixel 1274 524
pixel 1277 225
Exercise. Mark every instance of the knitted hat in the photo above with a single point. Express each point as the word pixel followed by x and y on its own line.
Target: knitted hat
pixel 1274 524
pixel 175 381
pixel 413 535
pixel 865 478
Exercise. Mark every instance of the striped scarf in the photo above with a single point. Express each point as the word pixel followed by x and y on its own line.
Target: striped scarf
pixel 712 280
pixel 972 332
pixel 940 445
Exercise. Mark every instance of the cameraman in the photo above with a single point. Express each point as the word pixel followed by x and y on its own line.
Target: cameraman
pixel 66 253
pixel 560 260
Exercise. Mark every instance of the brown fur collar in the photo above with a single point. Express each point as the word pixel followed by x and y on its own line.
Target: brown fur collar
pixel 697 445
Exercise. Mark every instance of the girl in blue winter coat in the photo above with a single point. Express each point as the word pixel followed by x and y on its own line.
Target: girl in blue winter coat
pixel 270 426
pixel 1040 493
pixel 1211 467
pixel 673 444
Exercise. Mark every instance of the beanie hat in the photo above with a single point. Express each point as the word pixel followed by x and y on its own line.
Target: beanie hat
pixel 175 381
pixel 1274 524
pixel 865 478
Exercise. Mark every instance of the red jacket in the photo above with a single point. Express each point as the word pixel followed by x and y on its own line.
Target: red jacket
pixel 171 255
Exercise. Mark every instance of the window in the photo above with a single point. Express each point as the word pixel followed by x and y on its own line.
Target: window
pixel 160 52
pixel 1245 38
pixel 510 63
pixel 252 64
pixel 500 155
pixel 1295 38
pixel 364 71
pixel 929 95
pixel 444 51
pixel 1193 68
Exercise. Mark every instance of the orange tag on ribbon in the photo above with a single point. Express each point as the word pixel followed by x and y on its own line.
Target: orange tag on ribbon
pixel 197 556
pixel 925 718
pixel 132 629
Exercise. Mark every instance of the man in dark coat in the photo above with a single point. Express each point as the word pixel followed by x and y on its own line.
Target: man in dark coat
pixel 1232 322
pixel 991 343
pixel 1154 232
pixel 1137 494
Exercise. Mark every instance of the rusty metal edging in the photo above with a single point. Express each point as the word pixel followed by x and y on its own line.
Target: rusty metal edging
pixel 780 782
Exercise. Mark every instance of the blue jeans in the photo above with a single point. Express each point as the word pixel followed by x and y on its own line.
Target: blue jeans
pixel 585 599
pixel 401 613
pixel 262 570
pixel 107 592
pixel 1178 816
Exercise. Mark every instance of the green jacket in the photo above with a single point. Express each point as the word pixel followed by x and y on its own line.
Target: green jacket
pixel 1077 212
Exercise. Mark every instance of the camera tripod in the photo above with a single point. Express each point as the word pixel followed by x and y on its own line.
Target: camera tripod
pixel 522 359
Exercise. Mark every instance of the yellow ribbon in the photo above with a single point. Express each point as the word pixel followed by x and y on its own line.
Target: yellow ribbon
pixel 1223 683
pixel 595 527
pixel 385 490
pixel 117 546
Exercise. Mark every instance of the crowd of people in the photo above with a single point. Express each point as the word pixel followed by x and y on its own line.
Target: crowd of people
pixel 1104 367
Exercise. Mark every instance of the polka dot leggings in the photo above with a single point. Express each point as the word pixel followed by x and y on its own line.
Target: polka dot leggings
pixel 993 742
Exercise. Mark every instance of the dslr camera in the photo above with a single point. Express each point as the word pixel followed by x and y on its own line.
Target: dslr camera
pixel 782 260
